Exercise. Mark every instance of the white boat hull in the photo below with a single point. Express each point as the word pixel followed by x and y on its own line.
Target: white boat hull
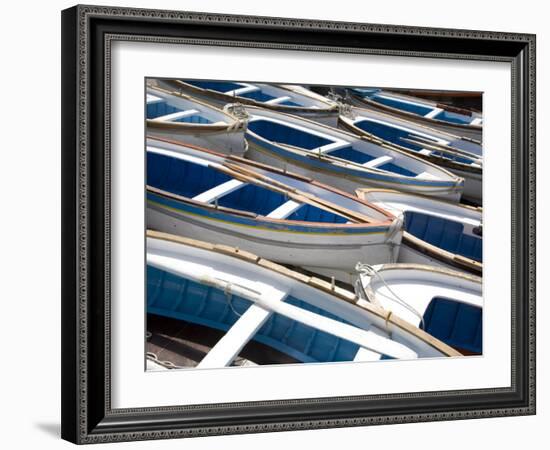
pixel 330 252
pixel 346 183
pixel 473 186
pixel 228 143
pixel 410 255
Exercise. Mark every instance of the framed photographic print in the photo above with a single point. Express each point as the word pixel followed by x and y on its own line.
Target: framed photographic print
pixel 282 224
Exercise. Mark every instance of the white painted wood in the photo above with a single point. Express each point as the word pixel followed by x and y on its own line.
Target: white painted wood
pixel 331 147
pixel 153 99
pixel 285 210
pixel 251 281
pixel 229 346
pixel 433 113
pixel 417 286
pixel 176 115
pixel 378 161
pixel 244 90
pixel 427 176
pixel 364 338
pixel 399 202
pixel 425 151
pixel 366 355
pixel 219 191
pixel 276 101
pixel 184 156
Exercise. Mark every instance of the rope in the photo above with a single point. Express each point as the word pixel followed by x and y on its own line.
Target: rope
pixel 367 269
pixel 168 364
pixel 229 296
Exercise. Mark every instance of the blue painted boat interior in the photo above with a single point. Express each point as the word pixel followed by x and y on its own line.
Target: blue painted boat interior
pixel 188 179
pixel 262 201
pixel 392 167
pixel 280 133
pixel 389 133
pixel 258 95
pixel 350 154
pixel 277 132
pixel 218 86
pixel 289 103
pixel 179 298
pixel 181 177
pixel 261 96
pixel 444 233
pixel 194 118
pixel 453 117
pixel 159 109
pixel 397 136
pixel 457 324
pixel 403 106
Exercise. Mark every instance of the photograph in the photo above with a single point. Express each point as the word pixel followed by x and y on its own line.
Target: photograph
pixel 296 221
pixel 291 224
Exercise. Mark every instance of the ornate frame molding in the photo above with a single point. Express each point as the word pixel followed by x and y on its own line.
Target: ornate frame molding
pixel 86 422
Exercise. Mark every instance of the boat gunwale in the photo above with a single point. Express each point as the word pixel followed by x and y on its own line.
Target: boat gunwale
pixel 427 268
pixel 362 191
pixel 314 282
pixel 328 110
pixel 260 218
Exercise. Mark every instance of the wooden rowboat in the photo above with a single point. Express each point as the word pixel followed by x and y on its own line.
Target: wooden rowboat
pixel 458 121
pixel 253 299
pixel 462 157
pixel 341 159
pixel 176 116
pixel 279 215
pixel 435 232
pixel 289 99
pixel 445 303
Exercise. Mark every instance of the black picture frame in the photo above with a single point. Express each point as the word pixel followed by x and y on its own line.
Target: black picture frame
pixel 87 33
